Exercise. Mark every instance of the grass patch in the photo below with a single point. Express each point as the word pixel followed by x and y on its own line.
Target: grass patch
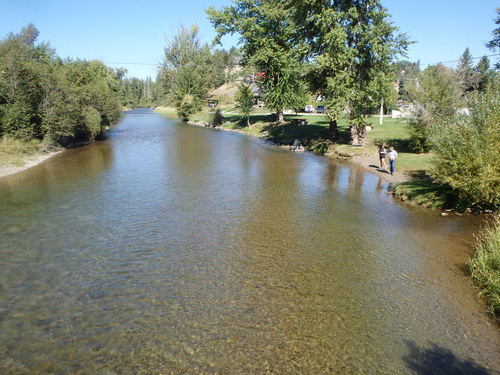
pixel 13 151
pixel 485 264
pixel 423 191
pixel 170 111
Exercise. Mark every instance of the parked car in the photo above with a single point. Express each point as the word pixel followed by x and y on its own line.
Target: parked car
pixel 309 109
pixel 320 109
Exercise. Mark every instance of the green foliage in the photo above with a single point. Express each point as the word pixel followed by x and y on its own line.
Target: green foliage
pixel 92 121
pixel 425 192
pixel 466 73
pixel 13 150
pixel 418 135
pixel 494 44
pixel 468 150
pixel 353 43
pixel 46 98
pixel 188 71
pixel 485 264
pixel 267 31
pixel 485 75
pixel 216 118
pixel 245 99
pixel 437 95
pixel 187 106
pixel 22 66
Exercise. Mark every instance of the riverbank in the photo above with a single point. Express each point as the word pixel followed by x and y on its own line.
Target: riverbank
pixel 29 161
pixel 371 164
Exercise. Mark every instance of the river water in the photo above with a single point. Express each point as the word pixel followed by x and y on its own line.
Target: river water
pixel 170 248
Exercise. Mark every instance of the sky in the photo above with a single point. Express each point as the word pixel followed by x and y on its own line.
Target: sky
pixel 133 34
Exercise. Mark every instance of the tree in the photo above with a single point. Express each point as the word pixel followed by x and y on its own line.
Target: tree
pixel 484 74
pixel 267 33
pixel 188 71
pixel 467 149
pixel 436 95
pixel 44 97
pixel 22 67
pixel 405 71
pixel 245 99
pixel 351 45
pixel 466 73
pixel 494 44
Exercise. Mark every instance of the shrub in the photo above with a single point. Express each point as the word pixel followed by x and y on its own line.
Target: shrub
pixel 216 118
pixel 468 151
pixel 485 264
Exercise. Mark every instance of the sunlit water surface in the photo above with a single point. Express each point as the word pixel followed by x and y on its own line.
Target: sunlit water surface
pixel 176 249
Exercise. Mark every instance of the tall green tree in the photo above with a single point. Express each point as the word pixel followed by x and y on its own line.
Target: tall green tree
pixel 352 45
pixel 267 34
pixel 188 71
pixel 22 66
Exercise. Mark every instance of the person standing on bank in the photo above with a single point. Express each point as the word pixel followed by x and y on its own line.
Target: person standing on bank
pixel 392 158
pixel 381 155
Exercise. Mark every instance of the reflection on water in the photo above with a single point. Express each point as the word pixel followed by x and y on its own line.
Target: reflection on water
pixel 170 248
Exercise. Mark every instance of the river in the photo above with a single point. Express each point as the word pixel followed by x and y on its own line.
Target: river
pixel 171 248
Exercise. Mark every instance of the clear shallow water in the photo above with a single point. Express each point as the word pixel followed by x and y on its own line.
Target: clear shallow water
pixel 176 249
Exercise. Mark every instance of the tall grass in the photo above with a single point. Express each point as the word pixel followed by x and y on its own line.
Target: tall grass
pixel 13 151
pixel 485 264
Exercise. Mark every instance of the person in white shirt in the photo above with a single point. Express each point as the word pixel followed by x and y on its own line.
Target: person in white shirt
pixel 392 159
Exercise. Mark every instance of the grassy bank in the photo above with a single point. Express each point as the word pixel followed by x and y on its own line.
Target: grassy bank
pixel 13 152
pixel 485 264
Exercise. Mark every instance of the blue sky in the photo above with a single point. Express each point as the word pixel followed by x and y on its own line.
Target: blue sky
pixel 131 34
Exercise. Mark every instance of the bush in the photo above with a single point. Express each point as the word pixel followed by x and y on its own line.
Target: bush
pixel 216 118
pixel 485 264
pixel 468 151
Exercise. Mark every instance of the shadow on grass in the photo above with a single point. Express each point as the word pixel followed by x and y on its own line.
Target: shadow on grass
pixel 437 360
pixel 287 133
pixel 400 145
pixel 425 192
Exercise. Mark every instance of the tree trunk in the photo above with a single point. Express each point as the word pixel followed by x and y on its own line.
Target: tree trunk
pixel 358 134
pixel 334 133
pixel 280 118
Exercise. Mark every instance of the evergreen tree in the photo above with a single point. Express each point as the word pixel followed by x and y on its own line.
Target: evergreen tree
pixel 245 99
pixel 484 74
pixel 466 73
